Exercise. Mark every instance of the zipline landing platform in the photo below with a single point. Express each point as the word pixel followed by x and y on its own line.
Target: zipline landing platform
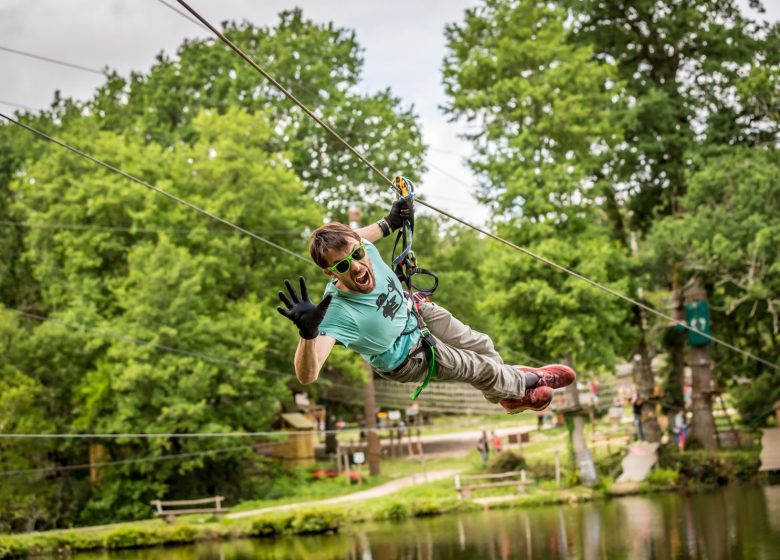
pixel 637 464
pixel 770 449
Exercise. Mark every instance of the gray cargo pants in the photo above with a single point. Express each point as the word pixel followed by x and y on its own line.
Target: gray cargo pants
pixel 463 355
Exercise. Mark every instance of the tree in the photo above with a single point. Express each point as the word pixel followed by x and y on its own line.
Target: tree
pixel 172 278
pixel 540 107
pixel 319 63
pixel 685 69
pixel 727 237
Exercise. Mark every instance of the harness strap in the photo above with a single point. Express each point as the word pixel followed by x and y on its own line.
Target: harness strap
pixel 433 370
pixel 428 346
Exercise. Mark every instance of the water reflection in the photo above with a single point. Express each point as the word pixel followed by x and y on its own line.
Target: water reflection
pixel 741 522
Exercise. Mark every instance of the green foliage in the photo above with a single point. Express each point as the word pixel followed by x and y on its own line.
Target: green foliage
pixel 319 63
pixel 270 525
pixel 506 461
pixel 13 548
pixel 729 237
pixel 132 537
pixel 428 506
pixel 300 522
pixel 699 467
pixel 317 520
pixel 663 478
pixel 394 511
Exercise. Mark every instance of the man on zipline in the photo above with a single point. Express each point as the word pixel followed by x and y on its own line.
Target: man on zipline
pixel 366 310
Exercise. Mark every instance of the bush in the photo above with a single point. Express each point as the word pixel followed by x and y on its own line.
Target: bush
pixel 11 547
pixel 320 520
pixel 395 511
pixel 506 461
pixel 663 478
pixel 132 537
pixel 181 534
pixel 701 467
pixel 270 525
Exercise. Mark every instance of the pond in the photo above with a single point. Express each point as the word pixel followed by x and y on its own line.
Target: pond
pixel 734 522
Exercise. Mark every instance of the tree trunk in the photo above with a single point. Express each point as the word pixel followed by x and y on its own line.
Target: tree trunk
pixel 703 422
pixel 582 457
pixel 645 385
pixel 674 341
pixel 331 441
pixel 702 386
pixel 643 374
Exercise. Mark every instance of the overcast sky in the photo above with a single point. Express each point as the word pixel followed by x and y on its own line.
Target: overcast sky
pixel 403 42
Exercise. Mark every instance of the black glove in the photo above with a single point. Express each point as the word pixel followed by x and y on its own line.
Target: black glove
pixel 306 316
pixel 403 209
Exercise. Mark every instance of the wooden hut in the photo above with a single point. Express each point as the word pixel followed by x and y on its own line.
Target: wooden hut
pixel 297 449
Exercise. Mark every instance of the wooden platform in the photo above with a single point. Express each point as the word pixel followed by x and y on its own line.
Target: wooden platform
pixel 770 449
pixel 637 464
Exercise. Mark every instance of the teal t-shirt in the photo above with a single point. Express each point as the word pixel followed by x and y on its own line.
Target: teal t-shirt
pixel 372 324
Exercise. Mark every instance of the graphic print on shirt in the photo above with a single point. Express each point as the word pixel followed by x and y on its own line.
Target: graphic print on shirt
pixel 390 306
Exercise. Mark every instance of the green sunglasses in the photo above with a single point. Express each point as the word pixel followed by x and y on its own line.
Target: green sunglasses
pixel 343 265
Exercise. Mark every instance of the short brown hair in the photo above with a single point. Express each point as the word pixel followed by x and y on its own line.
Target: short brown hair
pixel 328 237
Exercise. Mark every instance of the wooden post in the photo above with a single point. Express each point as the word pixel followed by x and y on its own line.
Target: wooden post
pixel 557 468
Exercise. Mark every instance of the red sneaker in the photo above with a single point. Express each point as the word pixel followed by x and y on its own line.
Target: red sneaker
pixel 555 375
pixel 535 399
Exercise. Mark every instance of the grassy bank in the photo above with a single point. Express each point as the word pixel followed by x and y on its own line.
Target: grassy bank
pixel 693 470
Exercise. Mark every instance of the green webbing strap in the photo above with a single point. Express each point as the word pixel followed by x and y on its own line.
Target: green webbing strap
pixel 433 368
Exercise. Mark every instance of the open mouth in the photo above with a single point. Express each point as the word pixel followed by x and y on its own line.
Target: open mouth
pixel 363 280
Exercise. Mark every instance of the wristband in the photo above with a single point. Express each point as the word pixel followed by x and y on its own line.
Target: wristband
pixel 385 227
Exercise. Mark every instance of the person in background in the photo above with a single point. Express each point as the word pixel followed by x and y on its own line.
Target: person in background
pixel 495 440
pixel 484 447
pixel 540 415
pixel 680 430
pixel 636 403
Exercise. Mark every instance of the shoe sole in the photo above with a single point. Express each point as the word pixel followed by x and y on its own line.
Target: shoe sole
pixel 542 370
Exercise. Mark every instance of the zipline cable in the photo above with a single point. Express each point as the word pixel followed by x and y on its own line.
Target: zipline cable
pixel 53 60
pixel 153 188
pixel 493 236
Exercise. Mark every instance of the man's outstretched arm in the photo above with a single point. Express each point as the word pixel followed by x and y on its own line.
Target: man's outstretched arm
pixel 310 357
pixel 313 349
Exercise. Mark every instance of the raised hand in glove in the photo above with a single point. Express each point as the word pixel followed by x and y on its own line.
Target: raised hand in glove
pixel 306 316
pixel 403 209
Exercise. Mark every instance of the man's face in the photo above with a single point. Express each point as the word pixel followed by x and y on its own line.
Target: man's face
pixel 360 276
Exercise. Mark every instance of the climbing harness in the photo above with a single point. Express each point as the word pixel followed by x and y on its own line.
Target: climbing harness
pixel 405 267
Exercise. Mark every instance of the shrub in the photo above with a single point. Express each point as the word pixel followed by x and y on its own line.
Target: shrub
pixel 132 537
pixel 395 511
pixel 270 525
pixel 702 467
pixel 506 461
pixel 663 478
pixel 424 507
pixel 11 547
pixel 320 520
pixel 180 534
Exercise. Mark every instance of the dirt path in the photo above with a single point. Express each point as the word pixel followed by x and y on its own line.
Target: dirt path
pixel 383 490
